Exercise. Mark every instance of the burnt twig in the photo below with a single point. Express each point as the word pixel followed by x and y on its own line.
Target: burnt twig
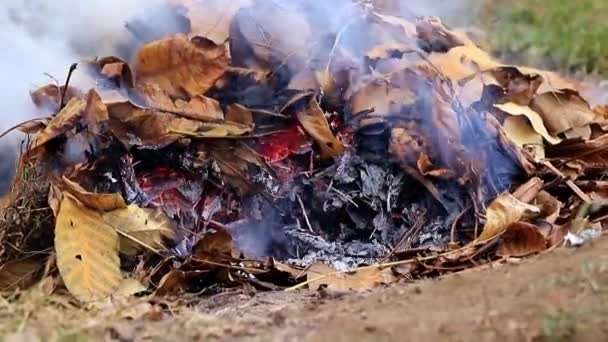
pixel 73 68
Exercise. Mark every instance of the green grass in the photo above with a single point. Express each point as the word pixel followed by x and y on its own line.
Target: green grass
pixel 567 35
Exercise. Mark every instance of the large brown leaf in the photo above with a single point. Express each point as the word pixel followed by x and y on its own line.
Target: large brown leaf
pixel 181 67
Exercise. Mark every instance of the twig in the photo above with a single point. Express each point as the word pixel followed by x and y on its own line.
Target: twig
pixel 238 268
pixel 580 193
pixel 305 215
pixel 143 244
pixel 67 83
pixel 19 126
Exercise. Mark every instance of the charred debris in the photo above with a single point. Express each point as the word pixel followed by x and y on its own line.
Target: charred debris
pixel 272 146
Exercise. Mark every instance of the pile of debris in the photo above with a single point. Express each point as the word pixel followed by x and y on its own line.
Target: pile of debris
pixel 271 146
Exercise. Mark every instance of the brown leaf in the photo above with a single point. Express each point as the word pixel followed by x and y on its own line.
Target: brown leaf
pixel 199 107
pixel 504 211
pixel 137 127
pixel 21 273
pixel 360 280
pixel 181 67
pixel 528 191
pixel 97 201
pixel 215 245
pixel 549 206
pixel 314 122
pixel 562 111
pixel 239 114
pixel 521 239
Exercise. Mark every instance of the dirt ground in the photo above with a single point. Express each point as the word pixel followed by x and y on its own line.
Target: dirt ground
pixel 559 296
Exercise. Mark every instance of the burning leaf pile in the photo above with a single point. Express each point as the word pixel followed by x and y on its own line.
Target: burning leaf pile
pixel 270 146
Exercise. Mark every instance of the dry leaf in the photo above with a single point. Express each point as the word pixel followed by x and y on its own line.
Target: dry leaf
pixel 519 130
pixel 562 111
pixel 361 280
pixel 314 122
pixel 535 119
pixel 21 273
pixel 87 251
pixel 239 114
pixel 128 287
pixel 528 191
pixel 62 122
pixel 181 67
pixel 152 129
pixel 215 245
pixel 502 212
pixel 521 239
pixel 549 206
pixel 97 201
pixel 140 228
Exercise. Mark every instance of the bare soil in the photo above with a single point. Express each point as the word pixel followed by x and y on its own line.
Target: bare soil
pixel 558 296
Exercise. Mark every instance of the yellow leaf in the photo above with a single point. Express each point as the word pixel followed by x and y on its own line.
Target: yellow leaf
pixel 361 280
pixel 140 228
pixel 224 130
pixel 519 130
pixel 535 119
pixel 129 287
pixel 87 251
pixel 504 211
pixel 563 111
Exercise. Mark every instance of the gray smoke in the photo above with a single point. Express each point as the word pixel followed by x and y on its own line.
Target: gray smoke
pixel 40 39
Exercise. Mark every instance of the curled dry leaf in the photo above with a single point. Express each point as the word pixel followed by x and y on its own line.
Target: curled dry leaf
pixel 535 119
pixel 239 114
pixel 521 239
pixel 140 228
pixel 314 122
pixel 93 200
pixel 87 251
pixel 361 280
pixel 504 211
pixel 216 245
